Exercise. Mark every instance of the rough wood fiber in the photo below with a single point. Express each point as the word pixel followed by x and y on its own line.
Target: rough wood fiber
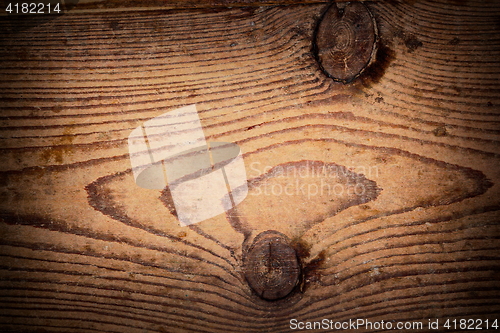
pixel 85 250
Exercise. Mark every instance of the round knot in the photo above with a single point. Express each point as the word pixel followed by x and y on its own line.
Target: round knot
pixel 271 266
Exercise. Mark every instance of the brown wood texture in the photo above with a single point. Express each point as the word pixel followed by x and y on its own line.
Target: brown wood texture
pixel 402 226
pixel 98 5
pixel 91 6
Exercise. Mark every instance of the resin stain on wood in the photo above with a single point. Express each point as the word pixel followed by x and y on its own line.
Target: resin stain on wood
pixel 345 41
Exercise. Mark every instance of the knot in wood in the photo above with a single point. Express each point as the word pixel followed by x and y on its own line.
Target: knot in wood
pixel 345 42
pixel 271 266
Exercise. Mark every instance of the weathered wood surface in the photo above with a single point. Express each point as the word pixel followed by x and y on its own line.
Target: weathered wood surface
pixel 114 5
pixel 85 250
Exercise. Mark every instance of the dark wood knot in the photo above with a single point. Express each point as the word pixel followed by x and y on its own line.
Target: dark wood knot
pixel 271 265
pixel 346 41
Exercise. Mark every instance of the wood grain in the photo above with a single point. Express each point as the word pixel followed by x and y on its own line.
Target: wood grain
pixel 402 226
pixel 133 5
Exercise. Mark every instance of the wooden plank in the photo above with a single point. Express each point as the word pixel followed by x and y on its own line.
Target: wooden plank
pixel 101 6
pixel 387 188
pixel 114 5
